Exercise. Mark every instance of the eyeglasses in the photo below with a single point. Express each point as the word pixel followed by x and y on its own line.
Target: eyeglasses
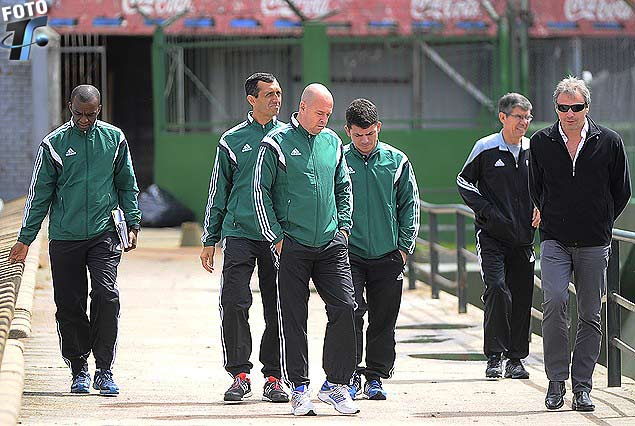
pixel 519 117
pixel 574 107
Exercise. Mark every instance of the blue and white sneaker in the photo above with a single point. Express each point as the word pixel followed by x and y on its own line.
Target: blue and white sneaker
pixel 81 383
pixel 104 383
pixel 355 385
pixel 374 391
pixel 339 397
pixel 301 404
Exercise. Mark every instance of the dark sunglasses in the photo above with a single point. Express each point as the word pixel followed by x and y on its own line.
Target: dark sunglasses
pixel 574 107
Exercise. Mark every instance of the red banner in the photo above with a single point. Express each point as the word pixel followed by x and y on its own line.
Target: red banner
pixel 553 18
pixel 550 18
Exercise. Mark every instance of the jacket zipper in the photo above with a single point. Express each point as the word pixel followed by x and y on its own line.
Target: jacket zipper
pixel 367 202
pixel 87 179
pixel 317 194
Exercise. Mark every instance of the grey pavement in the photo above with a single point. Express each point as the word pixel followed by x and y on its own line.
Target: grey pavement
pixel 169 361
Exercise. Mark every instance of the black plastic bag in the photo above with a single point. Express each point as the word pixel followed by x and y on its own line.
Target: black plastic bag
pixel 160 209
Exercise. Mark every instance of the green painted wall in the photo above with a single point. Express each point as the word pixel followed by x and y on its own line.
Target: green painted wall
pixel 183 163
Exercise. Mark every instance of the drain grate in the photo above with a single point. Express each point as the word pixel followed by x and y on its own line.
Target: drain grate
pixel 433 326
pixel 469 356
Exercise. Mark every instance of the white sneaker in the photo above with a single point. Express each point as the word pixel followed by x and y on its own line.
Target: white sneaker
pixel 339 397
pixel 301 404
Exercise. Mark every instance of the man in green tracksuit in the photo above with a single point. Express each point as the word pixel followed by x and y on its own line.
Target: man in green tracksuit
pixel 303 204
pixel 230 213
pixel 83 171
pixel 386 218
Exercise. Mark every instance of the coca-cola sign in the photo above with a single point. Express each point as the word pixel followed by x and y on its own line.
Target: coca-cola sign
pixel 597 10
pixel 441 10
pixel 280 8
pixel 157 7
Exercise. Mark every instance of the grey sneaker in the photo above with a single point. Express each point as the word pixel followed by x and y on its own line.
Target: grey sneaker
pixel 338 397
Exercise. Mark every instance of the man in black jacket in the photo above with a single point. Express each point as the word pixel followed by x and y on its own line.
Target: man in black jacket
pixel 493 183
pixel 579 180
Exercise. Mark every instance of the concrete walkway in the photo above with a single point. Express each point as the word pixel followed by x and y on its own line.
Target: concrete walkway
pixel 169 361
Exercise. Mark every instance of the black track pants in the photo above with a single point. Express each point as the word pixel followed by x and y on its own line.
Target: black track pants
pixel 329 268
pixel 508 274
pixel 80 335
pixel 382 281
pixel 239 259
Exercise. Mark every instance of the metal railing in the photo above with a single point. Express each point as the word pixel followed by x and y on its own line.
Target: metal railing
pixel 10 274
pixel 614 300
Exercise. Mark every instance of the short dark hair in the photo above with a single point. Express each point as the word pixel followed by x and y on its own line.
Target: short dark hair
pixel 86 93
pixel 510 101
pixel 251 84
pixel 361 113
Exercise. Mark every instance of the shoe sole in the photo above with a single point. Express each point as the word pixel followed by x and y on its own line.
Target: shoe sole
pixel 511 376
pixel 234 399
pixel 80 392
pixel 494 375
pixel 328 400
pixel 555 408
pixel 111 394
pixel 267 399
pixel 583 409
pixel 308 413
pixel 377 397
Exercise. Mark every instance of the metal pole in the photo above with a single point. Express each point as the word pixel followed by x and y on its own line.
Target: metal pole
pixel 434 255
pixel 613 319
pixel 461 270
pixel 503 53
pixel 524 48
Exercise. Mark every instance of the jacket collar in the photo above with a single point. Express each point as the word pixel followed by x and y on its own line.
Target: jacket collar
pixel 502 145
pixel 296 125
pixel 270 125
pixel 372 153
pixel 554 130
pixel 74 128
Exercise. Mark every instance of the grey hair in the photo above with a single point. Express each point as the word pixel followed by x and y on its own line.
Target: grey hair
pixel 512 100
pixel 572 86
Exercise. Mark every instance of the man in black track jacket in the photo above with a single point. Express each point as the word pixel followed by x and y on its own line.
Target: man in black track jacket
pixel 580 181
pixel 493 183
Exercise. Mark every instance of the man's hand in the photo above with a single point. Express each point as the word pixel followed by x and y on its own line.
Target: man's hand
pixel 404 256
pixel 132 239
pixel 343 231
pixel 278 246
pixel 535 219
pixel 207 258
pixel 18 252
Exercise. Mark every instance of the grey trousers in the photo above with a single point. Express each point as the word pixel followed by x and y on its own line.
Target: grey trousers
pixel 588 266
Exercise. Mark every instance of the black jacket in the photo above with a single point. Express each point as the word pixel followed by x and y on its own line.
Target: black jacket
pixel 579 205
pixel 494 185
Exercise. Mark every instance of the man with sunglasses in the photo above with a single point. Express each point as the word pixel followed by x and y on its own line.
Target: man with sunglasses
pixel 83 171
pixel 493 183
pixel 579 179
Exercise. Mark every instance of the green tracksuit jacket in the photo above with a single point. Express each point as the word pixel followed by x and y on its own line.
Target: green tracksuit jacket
pixel 301 186
pixel 230 208
pixel 82 177
pixel 386 213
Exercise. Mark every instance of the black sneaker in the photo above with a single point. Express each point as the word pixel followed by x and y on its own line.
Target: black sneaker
pixel 494 367
pixel 240 389
pixel 514 369
pixel 273 391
